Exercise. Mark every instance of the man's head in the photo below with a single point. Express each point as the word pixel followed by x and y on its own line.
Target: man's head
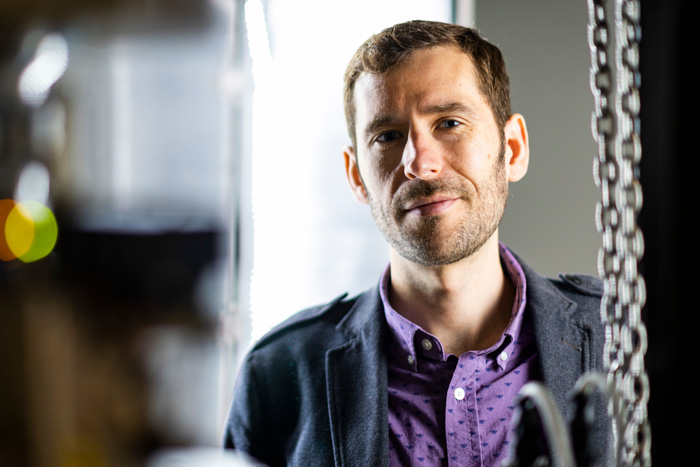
pixel 431 155
pixel 395 44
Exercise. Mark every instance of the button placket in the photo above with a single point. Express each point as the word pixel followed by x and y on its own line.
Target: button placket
pixel 461 432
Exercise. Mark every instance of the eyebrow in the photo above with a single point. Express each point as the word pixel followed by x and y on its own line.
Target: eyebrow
pixel 379 122
pixel 452 107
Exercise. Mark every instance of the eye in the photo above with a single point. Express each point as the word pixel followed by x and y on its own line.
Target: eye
pixel 449 124
pixel 388 136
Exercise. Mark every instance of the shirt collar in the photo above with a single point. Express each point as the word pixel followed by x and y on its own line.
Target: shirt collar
pixel 407 334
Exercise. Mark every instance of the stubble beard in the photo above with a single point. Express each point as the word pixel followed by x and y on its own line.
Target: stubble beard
pixel 431 240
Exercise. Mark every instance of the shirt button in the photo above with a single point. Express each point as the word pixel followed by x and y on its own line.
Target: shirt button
pixel 411 359
pixel 427 345
pixel 504 356
pixel 459 394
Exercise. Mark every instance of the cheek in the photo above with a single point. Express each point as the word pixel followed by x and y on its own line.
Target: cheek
pixel 381 174
pixel 474 157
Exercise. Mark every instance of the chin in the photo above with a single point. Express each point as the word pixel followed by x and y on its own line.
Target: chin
pixel 438 255
pixel 428 250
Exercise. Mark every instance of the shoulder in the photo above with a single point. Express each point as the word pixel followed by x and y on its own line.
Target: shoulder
pixel 585 291
pixel 309 333
pixel 281 369
pixel 579 284
pixel 313 320
pixel 574 298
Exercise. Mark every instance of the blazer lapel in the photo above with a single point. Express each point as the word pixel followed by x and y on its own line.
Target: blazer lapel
pixel 356 381
pixel 563 345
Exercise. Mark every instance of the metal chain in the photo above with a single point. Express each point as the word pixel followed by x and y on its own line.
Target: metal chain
pixel 616 169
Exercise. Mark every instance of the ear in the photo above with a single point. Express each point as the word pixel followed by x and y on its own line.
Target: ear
pixel 517 147
pixel 352 171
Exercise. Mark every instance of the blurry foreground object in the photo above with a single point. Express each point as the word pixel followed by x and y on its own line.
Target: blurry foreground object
pixel 115 250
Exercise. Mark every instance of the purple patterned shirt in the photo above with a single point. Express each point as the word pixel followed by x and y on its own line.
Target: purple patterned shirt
pixel 455 410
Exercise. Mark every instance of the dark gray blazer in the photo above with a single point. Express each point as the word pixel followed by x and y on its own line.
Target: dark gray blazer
pixel 313 391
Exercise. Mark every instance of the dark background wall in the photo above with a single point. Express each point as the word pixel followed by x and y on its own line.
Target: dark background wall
pixel 549 220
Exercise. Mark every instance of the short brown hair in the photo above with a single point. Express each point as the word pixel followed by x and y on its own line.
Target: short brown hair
pixel 395 44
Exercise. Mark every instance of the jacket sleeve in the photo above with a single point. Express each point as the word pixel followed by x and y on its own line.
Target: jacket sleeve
pixel 245 428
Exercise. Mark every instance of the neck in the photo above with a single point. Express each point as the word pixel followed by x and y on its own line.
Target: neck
pixel 467 304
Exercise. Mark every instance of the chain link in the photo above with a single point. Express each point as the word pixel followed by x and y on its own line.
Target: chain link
pixel 615 170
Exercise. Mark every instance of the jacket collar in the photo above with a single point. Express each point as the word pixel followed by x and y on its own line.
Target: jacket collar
pixel 365 316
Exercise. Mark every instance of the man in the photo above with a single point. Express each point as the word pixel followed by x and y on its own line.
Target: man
pixel 424 368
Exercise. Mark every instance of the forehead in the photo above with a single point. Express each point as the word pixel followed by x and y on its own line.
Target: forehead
pixel 428 78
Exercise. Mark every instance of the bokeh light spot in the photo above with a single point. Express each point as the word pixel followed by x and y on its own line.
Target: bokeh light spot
pixel 30 230
pixel 6 207
pixel 19 230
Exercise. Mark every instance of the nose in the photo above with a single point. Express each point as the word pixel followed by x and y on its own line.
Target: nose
pixel 422 157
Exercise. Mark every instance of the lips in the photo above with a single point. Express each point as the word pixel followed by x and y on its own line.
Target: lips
pixel 430 206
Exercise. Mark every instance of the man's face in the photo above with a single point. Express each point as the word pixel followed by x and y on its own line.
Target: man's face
pixel 430 157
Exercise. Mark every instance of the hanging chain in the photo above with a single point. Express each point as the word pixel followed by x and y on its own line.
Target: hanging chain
pixel 616 169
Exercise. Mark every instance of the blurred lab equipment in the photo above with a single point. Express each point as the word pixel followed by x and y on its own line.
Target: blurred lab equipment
pixel 117 155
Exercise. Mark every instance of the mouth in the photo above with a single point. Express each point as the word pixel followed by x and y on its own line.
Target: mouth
pixel 430 206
